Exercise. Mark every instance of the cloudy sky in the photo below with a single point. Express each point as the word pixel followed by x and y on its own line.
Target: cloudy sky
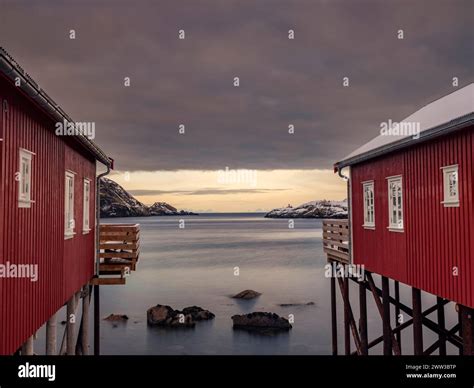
pixel 282 82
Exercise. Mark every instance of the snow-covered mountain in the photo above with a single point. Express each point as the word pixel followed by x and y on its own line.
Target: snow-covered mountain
pixel 313 209
pixel 116 202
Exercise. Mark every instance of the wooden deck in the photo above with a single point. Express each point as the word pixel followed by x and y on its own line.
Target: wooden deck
pixel 119 252
pixel 336 240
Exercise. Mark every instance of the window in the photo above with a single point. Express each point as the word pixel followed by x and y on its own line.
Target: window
pixel 86 206
pixel 24 179
pixel 369 204
pixel 451 186
pixel 69 206
pixel 395 203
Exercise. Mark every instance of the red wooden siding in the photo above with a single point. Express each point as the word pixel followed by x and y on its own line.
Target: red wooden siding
pixel 436 238
pixel 36 235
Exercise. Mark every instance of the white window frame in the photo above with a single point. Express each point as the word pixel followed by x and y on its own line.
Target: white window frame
pixel 24 179
pixel 397 224
pixel 448 199
pixel 69 222
pixel 369 204
pixel 86 206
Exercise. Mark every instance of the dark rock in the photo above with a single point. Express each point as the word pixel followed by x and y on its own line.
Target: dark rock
pixel 247 294
pixel 198 313
pixel 160 315
pixel 116 318
pixel 261 320
pixel 296 304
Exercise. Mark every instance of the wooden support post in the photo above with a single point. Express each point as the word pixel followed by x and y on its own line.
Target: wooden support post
pixel 417 322
pixel 27 347
pixel 363 318
pixel 96 320
pixel 70 324
pixel 442 325
pixel 333 314
pixel 467 323
pixel 387 332
pixel 458 310
pixel 85 320
pixel 51 335
pixel 398 334
pixel 347 330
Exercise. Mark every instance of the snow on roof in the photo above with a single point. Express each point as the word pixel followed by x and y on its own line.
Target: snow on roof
pixel 450 107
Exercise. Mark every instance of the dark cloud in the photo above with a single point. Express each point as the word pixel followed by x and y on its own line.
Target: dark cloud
pixel 206 191
pixel 282 81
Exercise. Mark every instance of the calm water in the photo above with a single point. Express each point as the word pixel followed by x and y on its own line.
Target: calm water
pixel 195 266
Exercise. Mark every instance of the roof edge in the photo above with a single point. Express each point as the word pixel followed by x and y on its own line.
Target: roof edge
pixel 450 126
pixel 12 70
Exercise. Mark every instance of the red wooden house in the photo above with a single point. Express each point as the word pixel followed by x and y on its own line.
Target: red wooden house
pixel 411 219
pixel 412 199
pixel 47 207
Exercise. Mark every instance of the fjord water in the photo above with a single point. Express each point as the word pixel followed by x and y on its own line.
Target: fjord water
pixel 197 265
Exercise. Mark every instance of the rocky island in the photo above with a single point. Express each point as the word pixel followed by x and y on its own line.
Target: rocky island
pixel 115 201
pixel 314 209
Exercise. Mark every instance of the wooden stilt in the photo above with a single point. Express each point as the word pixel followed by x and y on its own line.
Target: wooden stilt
pixel 347 332
pixel 398 334
pixel 442 326
pixel 85 320
pixel 96 320
pixel 387 332
pixel 458 309
pixel 334 314
pixel 70 325
pixel 27 347
pixel 51 335
pixel 467 323
pixel 417 322
pixel 363 318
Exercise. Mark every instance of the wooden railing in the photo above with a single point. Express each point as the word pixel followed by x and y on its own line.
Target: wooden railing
pixel 336 240
pixel 119 252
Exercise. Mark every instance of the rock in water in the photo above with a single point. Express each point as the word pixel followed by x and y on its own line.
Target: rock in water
pixel 198 313
pixel 161 315
pixel 296 304
pixel 261 320
pixel 116 317
pixel 247 294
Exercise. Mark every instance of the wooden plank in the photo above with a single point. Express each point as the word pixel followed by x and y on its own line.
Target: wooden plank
pixel 119 228
pixel 336 243
pixel 119 238
pixel 117 233
pixel 112 267
pixel 337 259
pixel 336 222
pixel 115 245
pixel 107 281
pixel 119 255
pixel 338 254
pixel 335 229
pixel 335 236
